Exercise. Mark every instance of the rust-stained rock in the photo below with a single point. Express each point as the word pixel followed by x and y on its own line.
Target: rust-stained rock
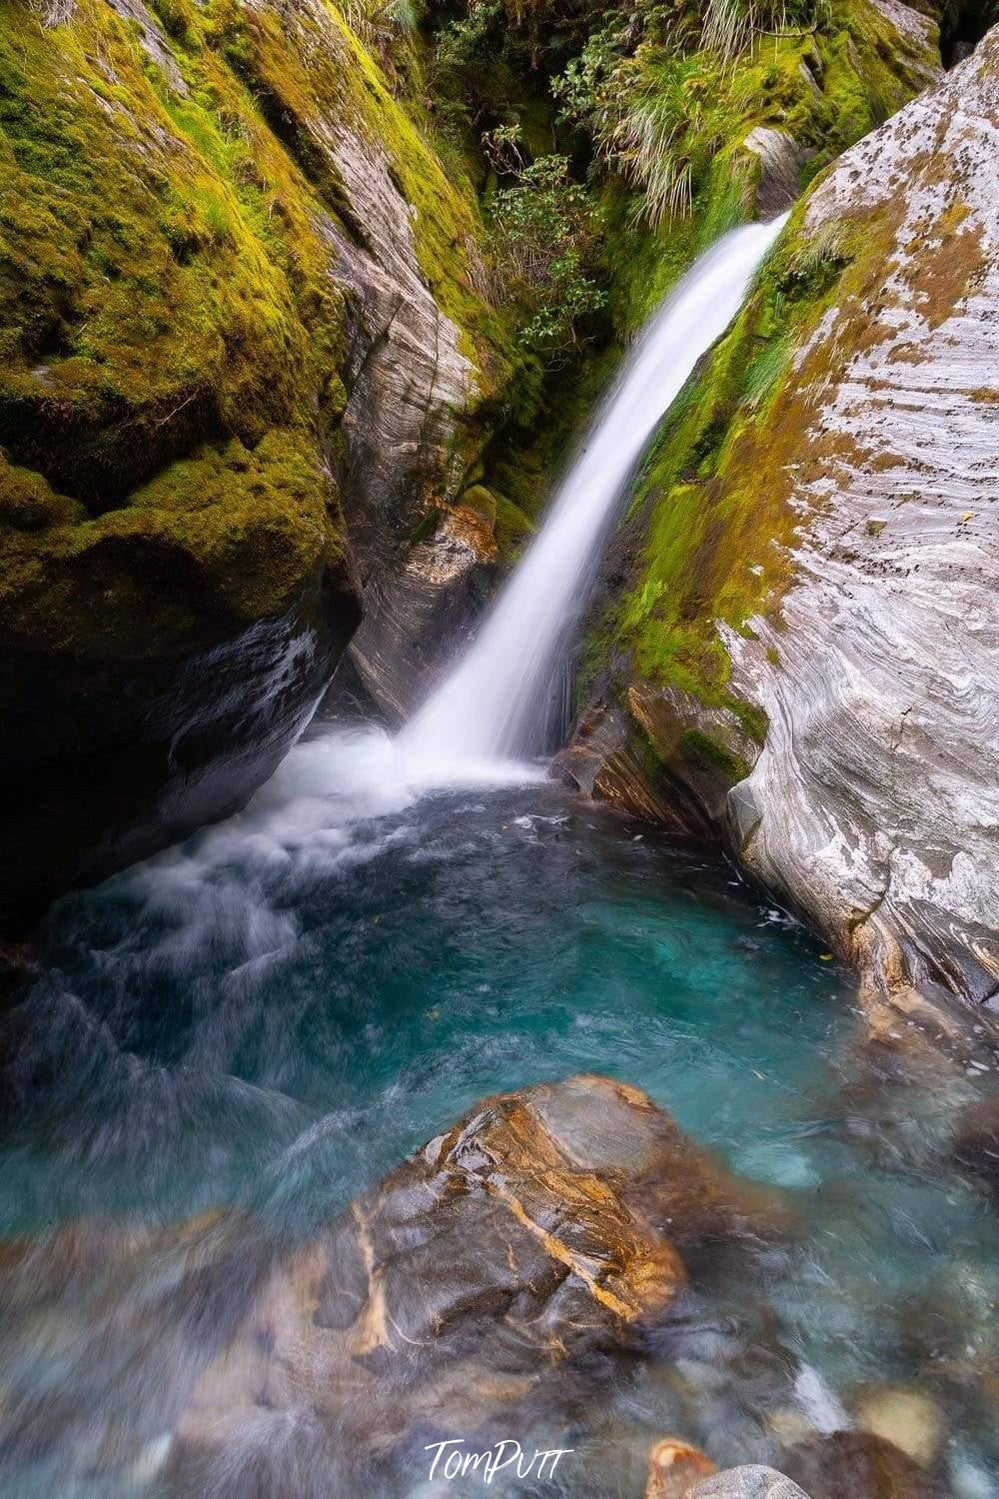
pixel 476 1281
pixel 675 1467
pixel 486 1287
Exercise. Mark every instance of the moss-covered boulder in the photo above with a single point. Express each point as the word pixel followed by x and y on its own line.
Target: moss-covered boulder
pixel 240 344
pixel 812 563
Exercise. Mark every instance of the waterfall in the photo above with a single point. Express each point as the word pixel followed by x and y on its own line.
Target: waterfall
pixel 492 703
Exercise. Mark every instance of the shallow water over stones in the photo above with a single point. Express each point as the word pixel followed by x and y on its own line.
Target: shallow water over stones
pixel 224 1047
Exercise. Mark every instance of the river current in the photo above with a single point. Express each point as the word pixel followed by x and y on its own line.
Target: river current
pixel 271 1016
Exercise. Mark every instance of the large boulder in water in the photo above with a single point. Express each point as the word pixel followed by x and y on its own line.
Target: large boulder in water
pixel 811 623
pixel 499 1283
pixel 749 1482
pixel 477 1290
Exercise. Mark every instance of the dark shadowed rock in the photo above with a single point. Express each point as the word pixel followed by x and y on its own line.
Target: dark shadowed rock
pixel 107 760
pixel 976 1148
pixel 858 1463
pixel 780 162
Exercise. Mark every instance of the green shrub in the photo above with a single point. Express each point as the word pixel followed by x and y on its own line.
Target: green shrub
pixel 543 238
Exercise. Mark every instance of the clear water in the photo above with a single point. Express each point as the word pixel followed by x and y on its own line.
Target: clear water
pixel 271 1016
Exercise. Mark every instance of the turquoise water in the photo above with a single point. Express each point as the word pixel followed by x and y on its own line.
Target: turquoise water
pixel 272 1016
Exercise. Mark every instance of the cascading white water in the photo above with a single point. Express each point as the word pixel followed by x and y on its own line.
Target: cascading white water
pixel 486 708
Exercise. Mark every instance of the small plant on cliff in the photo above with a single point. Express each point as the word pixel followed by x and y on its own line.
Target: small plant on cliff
pixel 379 22
pixel 54 12
pixel 543 239
pixel 661 89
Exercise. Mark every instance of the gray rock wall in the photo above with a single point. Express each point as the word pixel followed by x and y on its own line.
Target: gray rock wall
pixel 878 786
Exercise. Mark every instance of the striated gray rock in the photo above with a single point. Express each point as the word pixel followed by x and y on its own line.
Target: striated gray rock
pixel 415 616
pixel 409 383
pixel 878 785
pixel 780 162
pixel 851 757
pixel 749 1482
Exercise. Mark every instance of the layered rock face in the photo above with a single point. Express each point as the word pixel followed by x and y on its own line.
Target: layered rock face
pixel 808 661
pixel 486 1287
pixel 234 284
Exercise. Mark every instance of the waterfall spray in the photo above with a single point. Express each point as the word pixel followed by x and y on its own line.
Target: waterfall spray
pixel 491 704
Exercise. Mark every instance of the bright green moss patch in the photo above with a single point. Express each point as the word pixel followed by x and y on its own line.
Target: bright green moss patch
pixel 28 504
pixel 173 336
pixel 223 536
pixel 512 527
pixel 695 744
pixel 713 497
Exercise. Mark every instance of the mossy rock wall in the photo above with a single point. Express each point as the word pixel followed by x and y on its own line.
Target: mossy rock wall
pixel 242 342
pixel 810 562
pixel 759 128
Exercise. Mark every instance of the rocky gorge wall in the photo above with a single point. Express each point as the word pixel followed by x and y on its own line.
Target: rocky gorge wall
pixel 803 658
pixel 242 343
pixel 264 406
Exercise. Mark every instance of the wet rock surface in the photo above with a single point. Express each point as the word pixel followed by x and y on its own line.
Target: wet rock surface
pixel 749 1482
pixel 106 762
pixel 976 1148
pixel 854 1462
pixel 856 504
pixel 419 615
pixel 485 1286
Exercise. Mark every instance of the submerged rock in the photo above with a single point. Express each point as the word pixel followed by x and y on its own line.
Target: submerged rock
pixel 858 1463
pixel 976 1147
pixel 493 1284
pixel 908 1419
pixel 675 1469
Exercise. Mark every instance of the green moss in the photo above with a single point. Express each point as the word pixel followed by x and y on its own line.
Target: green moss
pixel 145 303
pixel 173 336
pixel 713 499
pixel 695 744
pixel 305 64
pixel 513 528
